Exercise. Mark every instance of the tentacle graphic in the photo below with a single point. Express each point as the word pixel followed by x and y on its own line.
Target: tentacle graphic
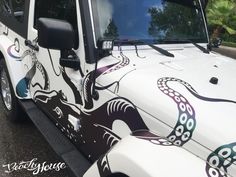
pixel 110 137
pixel 44 74
pixel 78 98
pixel 101 122
pixel 44 96
pixel 220 160
pixel 125 61
pixel 87 91
pixel 118 109
pixel 10 53
pixel 37 84
pixel 103 166
pixel 103 69
pixel 52 64
pixel 88 84
pixel 153 138
pixel 186 124
pixel 210 99
pixel 22 87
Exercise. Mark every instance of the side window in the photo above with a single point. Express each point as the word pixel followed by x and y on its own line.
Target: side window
pixel 58 9
pixel 18 10
pixel 5 8
pixel 13 9
pixel 14 14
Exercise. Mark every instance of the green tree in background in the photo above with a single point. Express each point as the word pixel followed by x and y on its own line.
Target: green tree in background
pixel 111 31
pixel 221 16
pixel 174 21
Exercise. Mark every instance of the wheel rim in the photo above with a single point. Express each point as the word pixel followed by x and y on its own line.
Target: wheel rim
pixel 6 92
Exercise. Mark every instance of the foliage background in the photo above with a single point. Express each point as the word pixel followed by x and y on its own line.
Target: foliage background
pixel 221 17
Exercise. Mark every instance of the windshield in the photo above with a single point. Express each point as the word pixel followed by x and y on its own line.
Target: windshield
pixel 153 21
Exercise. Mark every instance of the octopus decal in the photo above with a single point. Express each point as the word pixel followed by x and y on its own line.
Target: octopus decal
pixel 22 88
pixel 76 121
pixel 87 85
pixel 99 122
pixel 220 160
pixel 125 62
pixel 186 124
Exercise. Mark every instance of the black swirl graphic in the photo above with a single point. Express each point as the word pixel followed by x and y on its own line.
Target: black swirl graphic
pixel 44 73
pixel 210 99
pixel 103 166
pixel 78 98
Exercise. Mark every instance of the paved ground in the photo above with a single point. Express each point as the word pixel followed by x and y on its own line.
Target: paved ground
pixel 23 142
pixel 227 51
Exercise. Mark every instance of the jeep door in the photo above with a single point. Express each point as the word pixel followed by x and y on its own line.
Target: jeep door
pixel 54 88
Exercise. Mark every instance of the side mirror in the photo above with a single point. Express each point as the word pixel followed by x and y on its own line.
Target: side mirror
pixel 55 34
pixel 59 35
pixel 216 42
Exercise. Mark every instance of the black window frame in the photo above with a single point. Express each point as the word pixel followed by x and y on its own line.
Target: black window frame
pixel 91 52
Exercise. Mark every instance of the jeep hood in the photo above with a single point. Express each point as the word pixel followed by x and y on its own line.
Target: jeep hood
pixel 191 97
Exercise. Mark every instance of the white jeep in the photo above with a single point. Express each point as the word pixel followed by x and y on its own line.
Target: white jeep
pixel 121 87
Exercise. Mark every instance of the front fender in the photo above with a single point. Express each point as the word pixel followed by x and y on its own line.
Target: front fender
pixel 14 65
pixel 141 158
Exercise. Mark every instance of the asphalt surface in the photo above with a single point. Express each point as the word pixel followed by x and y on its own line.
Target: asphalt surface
pixel 227 51
pixel 23 142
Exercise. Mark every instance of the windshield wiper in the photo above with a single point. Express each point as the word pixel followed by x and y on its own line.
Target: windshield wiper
pixel 140 42
pixel 162 51
pixel 203 49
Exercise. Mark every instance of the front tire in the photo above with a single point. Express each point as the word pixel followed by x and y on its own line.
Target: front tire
pixel 11 106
